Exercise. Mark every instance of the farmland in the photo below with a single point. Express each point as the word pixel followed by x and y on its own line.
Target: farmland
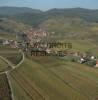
pixel 3 65
pixel 7 36
pixel 81 45
pixel 5 93
pixel 48 77
pixel 8 58
pixel 11 54
pixel 51 78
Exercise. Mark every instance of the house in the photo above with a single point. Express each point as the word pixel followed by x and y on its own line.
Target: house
pixel 6 42
pixel 82 60
pixel 48 51
pixel 96 64
pixel 92 57
pixel 13 44
pixel 76 54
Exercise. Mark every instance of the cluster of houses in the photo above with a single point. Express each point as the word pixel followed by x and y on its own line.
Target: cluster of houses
pixel 82 58
pixel 85 58
pixel 33 37
pixel 36 35
pixel 11 43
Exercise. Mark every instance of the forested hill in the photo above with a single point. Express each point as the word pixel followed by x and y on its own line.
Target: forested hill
pixel 30 15
pixel 72 22
pixel 17 10
pixel 36 17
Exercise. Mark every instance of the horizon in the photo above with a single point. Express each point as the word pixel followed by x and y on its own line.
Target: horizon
pixel 47 9
pixel 45 5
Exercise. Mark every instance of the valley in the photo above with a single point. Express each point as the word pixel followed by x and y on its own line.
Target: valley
pixel 69 68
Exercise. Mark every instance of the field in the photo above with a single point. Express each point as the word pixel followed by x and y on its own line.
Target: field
pixel 3 65
pixel 81 45
pixel 5 52
pixel 5 93
pixel 7 36
pixel 50 78
pixel 11 54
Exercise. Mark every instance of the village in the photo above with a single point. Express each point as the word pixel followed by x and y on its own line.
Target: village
pixel 37 43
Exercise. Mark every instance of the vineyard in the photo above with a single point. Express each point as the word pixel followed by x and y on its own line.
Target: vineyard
pixel 8 58
pixel 5 93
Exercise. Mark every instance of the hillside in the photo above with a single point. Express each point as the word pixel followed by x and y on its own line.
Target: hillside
pixel 86 14
pixel 71 27
pixel 74 23
pixel 9 28
pixel 70 23
pixel 16 10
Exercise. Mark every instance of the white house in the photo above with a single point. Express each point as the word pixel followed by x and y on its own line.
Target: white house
pixel 6 42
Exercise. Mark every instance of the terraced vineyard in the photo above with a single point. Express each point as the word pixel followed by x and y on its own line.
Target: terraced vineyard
pixel 5 93
pixel 49 78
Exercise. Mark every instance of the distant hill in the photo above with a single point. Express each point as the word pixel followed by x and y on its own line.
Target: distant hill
pixel 11 27
pixel 87 14
pixel 73 22
pixel 31 16
pixel 35 19
pixel 17 10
